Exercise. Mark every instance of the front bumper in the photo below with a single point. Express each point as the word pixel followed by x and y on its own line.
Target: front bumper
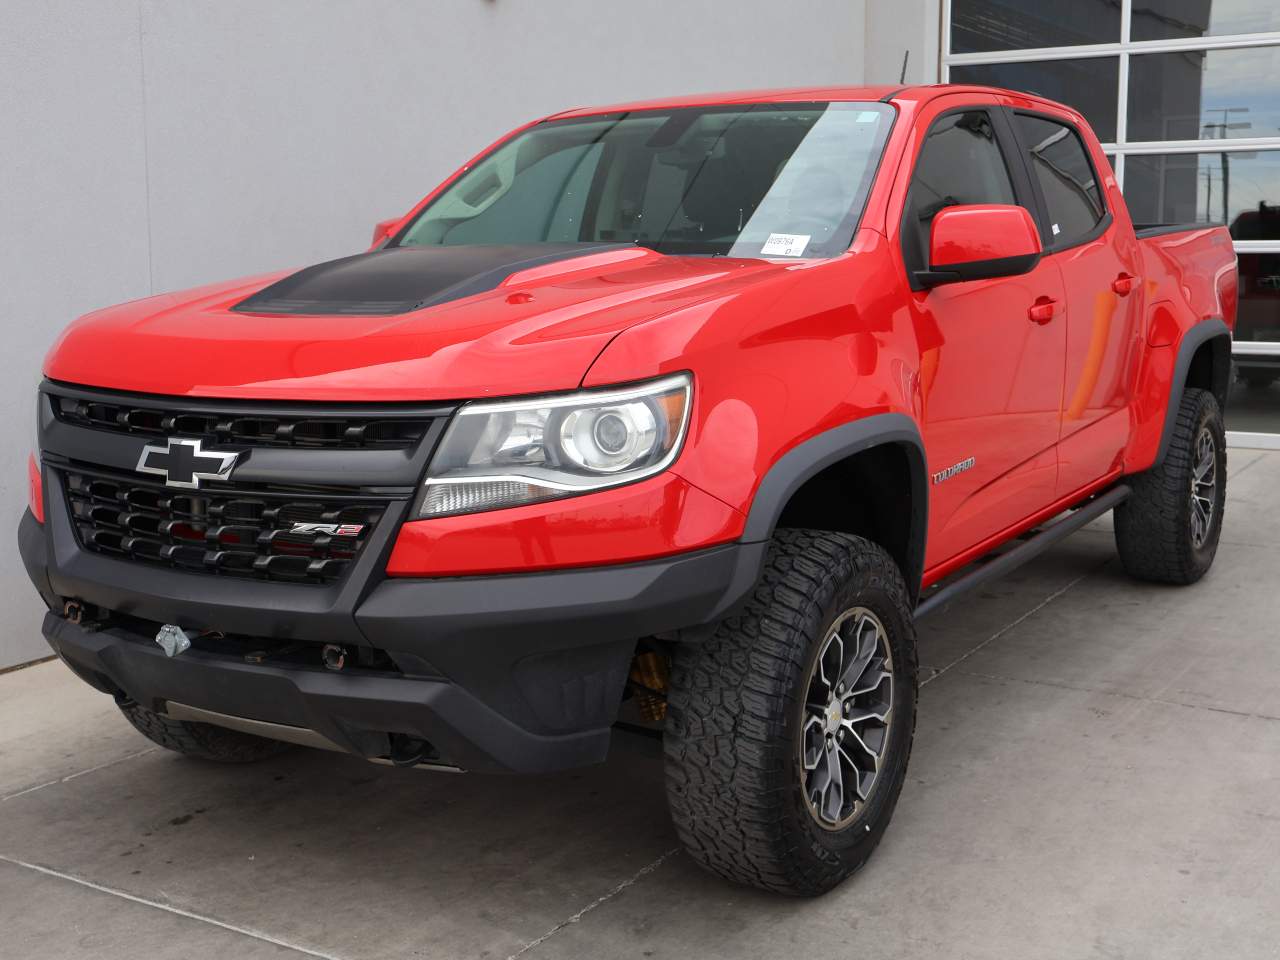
pixel 519 672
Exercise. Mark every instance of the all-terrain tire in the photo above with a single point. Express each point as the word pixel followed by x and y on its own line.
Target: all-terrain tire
pixel 1155 532
pixel 201 740
pixel 736 709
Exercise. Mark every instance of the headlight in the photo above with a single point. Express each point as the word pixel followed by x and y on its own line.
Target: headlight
pixel 514 452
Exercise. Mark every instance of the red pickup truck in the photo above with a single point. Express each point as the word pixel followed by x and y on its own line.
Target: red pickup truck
pixel 673 415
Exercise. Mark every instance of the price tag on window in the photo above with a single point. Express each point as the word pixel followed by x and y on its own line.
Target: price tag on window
pixel 785 245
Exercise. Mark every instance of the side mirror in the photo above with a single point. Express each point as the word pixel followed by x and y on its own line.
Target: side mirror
pixel 980 241
pixel 382 230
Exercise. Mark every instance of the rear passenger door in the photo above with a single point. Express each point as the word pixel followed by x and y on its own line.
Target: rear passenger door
pixel 1100 267
pixel 990 376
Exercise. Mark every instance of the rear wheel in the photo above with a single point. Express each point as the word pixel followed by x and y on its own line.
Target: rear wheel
pixel 1168 530
pixel 788 731
pixel 201 740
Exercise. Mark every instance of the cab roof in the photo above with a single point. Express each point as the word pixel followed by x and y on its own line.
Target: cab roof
pixel 919 93
pixel 790 95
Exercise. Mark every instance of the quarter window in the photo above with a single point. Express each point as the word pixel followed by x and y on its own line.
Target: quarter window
pixel 960 162
pixel 1066 178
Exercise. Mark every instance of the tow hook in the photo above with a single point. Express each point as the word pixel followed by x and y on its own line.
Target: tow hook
pixel 73 610
pixel 173 640
pixel 409 751
pixel 334 656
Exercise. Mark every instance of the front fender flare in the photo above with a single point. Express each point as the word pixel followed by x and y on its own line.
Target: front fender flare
pixel 811 457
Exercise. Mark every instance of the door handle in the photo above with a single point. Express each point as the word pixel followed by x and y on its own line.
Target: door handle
pixel 1123 284
pixel 1042 310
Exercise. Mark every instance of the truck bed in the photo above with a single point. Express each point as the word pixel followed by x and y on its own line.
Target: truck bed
pixel 1192 266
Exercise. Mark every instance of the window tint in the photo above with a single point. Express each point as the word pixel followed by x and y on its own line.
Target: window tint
pixel 960 162
pixel 1062 168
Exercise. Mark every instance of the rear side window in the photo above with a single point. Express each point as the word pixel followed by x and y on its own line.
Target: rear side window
pixel 1066 178
pixel 960 162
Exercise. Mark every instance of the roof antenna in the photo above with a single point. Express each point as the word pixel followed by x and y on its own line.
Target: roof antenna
pixel 905 54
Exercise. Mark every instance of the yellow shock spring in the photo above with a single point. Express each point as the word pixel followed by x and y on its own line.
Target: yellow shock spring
pixel 650 672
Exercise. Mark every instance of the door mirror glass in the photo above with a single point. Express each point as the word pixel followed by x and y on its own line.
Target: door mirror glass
pixel 980 241
pixel 382 230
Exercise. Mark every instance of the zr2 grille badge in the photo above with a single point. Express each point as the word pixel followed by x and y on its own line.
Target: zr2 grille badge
pixel 329 529
pixel 184 463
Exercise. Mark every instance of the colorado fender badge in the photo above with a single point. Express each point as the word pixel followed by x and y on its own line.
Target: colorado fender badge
pixel 952 470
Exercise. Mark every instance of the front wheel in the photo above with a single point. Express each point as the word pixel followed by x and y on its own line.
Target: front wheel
pixel 788 731
pixel 203 741
pixel 1168 529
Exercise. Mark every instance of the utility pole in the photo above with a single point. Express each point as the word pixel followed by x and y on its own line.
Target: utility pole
pixel 1222 127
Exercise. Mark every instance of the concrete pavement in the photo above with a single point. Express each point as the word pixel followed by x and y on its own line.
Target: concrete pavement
pixel 1096 774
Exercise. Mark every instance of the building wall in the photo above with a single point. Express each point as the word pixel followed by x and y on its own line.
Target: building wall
pixel 149 146
pixel 895 27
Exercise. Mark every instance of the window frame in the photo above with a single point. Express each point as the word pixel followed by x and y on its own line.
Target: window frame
pixel 1044 219
pixel 1019 176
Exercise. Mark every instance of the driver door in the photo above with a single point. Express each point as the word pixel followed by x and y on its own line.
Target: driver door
pixel 991 376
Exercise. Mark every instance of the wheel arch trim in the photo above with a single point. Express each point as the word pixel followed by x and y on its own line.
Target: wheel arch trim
pixel 809 458
pixel 1188 347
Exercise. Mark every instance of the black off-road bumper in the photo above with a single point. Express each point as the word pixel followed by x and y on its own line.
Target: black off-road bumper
pixel 519 673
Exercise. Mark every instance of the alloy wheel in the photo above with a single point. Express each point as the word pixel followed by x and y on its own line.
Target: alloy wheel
pixel 1204 486
pixel 847 714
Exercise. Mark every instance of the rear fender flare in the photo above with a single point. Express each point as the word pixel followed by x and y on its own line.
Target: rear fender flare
pixel 1191 341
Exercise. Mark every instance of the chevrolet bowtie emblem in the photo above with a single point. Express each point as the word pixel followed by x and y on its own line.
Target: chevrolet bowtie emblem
pixel 184 463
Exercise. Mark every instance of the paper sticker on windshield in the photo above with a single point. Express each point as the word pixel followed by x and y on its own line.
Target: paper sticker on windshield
pixel 785 245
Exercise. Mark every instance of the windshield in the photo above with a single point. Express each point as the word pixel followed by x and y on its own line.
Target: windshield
pixel 766 179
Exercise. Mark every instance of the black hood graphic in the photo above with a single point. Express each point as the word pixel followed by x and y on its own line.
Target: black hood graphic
pixel 401 279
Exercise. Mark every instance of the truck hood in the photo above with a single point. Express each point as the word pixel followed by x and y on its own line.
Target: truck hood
pixel 406 324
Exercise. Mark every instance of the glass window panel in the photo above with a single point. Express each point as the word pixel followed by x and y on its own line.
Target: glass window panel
pixel 1254 402
pixel 1253 405
pixel 1178 19
pixel 1258 317
pixel 692 180
pixel 1066 178
pixel 1241 189
pixel 960 162
pixel 1205 94
pixel 1088 85
pixel 984 25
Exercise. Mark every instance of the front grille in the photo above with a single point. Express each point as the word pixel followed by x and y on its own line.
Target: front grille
pixel 229 532
pixel 243 426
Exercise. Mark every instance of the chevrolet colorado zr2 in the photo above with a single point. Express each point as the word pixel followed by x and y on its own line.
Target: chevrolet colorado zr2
pixel 676 414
